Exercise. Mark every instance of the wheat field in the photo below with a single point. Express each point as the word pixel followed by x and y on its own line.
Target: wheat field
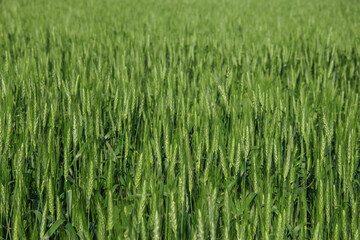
pixel 180 119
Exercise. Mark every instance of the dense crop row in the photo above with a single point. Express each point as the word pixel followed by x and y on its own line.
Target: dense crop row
pixel 191 120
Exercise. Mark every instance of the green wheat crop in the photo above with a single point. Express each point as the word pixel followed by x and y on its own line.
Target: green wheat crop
pixel 227 119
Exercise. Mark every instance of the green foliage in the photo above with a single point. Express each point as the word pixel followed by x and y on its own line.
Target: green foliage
pixel 179 119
